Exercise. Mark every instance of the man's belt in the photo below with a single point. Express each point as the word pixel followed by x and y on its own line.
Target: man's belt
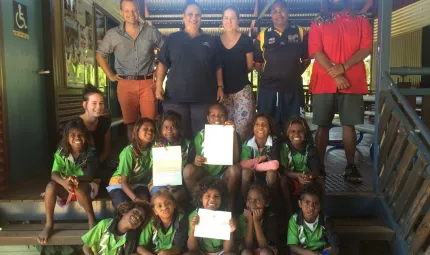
pixel 137 77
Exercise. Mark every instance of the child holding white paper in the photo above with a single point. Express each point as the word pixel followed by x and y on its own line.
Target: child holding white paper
pixel 170 129
pixel 210 193
pixel 261 154
pixel 216 115
pixel 130 181
pixel 257 226
pixel 166 233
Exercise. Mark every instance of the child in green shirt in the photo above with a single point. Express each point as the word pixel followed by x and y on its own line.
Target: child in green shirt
pixel 170 131
pixel 298 159
pixel 216 115
pixel 309 232
pixel 260 154
pixel 110 236
pixel 210 193
pixel 75 164
pixel 257 227
pixel 130 181
pixel 166 233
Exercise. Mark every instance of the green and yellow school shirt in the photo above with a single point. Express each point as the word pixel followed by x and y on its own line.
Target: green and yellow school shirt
pixel 86 164
pixel 271 149
pixel 268 224
pixel 138 170
pixel 314 236
pixel 155 238
pixel 299 161
pixel 207 245
pixel 103 239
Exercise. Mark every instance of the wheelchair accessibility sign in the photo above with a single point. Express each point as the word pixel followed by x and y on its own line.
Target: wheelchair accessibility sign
pixel 20 21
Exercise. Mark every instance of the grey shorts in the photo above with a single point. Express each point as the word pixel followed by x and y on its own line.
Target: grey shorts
pixel 349 106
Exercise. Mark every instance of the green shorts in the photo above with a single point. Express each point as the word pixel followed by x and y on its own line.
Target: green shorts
pixel 349 106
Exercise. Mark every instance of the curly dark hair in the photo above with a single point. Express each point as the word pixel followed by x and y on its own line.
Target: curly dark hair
pixel 206 184
pixel 75 124
pixel 125 207
pixel 309 140
pixel 272 126
pixel 263 189
pixel 89 90
pixel 173 117
pixel 220 106
pixel 310 189
pixel 136 143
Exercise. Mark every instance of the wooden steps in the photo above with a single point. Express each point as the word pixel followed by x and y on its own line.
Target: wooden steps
pixel 362 229
pixel 25 234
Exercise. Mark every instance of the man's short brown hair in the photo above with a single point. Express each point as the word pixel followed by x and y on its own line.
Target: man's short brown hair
pixel 120 3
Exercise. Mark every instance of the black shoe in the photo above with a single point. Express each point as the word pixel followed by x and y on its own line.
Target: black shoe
pixel 352 174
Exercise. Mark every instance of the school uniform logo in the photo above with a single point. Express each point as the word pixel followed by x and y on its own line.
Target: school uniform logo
pixel 293 38
pixel 272 40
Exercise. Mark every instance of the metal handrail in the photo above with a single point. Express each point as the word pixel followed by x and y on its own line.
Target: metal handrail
pixel 411 112
pixel 403 71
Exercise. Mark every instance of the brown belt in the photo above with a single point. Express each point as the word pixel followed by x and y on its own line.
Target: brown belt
pixel 137 77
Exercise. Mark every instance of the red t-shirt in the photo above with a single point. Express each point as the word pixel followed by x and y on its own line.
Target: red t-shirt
pixel 340 40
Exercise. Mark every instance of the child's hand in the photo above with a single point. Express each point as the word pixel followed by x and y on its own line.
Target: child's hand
pixel 159 144
pixel 248 214
pixel 303 179
pixel 257 215
pixel 195 221
pixel 199 160
pixel 232 224
pixel 261 159
pixel 73 180
pixel 230 123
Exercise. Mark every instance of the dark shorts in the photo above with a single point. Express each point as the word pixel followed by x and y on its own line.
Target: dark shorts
pixel 349 106
pixel 118 195
pixel 280 105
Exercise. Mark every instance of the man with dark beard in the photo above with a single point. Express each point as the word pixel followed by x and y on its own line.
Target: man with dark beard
pixel 339 40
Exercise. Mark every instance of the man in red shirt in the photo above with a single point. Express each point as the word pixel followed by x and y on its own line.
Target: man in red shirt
pixel 339 42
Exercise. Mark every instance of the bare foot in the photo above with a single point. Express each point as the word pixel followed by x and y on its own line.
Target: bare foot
pixel 44 236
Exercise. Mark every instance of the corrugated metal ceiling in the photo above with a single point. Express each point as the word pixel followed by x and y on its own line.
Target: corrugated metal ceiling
pixel 167 14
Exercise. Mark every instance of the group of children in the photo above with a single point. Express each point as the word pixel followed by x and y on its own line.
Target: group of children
pixel 263 165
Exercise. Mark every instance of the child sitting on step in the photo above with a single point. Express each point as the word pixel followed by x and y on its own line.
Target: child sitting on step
pixel 110 236
pixel 309 232
pixel 298 159
pixel 130 181
pixel 75 164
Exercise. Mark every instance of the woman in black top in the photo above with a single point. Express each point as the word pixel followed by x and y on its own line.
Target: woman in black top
pixel 194 80
pixel 97 123
pixel 236 50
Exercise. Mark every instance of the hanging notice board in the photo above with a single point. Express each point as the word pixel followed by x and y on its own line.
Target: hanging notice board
pixel 79 42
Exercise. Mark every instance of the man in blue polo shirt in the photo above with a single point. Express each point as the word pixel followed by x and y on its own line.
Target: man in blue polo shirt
pixel 280 57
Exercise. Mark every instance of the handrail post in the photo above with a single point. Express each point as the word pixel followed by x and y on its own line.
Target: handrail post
pixel 383 65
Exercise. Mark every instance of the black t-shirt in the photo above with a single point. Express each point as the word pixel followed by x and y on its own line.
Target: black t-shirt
pixel 99 133
pixel 281 54
pixel 192 64
pixel 235 70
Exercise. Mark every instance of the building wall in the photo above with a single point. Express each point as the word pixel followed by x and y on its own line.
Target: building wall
pixel 21 58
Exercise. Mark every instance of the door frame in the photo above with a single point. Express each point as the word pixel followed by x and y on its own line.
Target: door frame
pixel 4 175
